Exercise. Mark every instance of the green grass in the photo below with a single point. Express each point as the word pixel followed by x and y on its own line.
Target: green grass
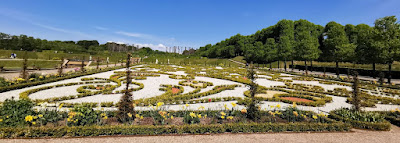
pixel 16 64
pixel 383 67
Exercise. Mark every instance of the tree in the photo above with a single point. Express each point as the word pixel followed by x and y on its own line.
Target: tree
pixel 388 30
pixel 252 108
pixel 270 51
pixel 125 106
pixel 367 50
pixel 285 40
pixel 356 101
pixel 24 71
pixel 335 43
pixel 306 43
pixel 60 70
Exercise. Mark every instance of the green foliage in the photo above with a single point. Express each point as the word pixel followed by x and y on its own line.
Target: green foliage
pixel 160 130
pixel 83 116
pixel 13 112
pixel 364 120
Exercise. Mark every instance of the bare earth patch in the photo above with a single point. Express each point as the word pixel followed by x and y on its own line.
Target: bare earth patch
pixel 269 94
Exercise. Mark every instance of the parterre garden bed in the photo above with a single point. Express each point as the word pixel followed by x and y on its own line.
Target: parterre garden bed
pixel 213 97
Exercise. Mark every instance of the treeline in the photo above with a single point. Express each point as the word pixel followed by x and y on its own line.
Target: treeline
pixel 28 43
pixel 302 40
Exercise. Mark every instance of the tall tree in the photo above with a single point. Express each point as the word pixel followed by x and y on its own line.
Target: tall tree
pixel 335 41
pixel 388 30
pixel 367 51
pixel 306 43
pixel 285 40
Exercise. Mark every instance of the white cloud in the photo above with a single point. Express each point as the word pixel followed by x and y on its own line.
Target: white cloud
pixel 100 28
pixel 137 35
pixel 159 47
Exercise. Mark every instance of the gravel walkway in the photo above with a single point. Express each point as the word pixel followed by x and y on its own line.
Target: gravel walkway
pixel 355 136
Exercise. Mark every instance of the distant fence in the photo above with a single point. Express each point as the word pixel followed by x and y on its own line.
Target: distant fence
pixel 363 72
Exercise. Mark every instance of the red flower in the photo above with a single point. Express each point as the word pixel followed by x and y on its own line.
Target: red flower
pixel 209 100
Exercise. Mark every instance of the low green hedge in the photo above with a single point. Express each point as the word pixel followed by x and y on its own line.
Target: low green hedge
pixel 393 120
pixel 382 126
pixel 167 129
pixel 29 84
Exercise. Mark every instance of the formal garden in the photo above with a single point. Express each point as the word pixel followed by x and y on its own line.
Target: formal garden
pixel 155 99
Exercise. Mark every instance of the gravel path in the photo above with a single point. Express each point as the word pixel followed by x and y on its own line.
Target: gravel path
pixel 355 136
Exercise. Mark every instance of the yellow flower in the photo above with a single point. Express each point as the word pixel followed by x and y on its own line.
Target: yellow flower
pixel 41 77
pixel 20 79
pixel 295 113
pixel 31 79
pixel 229 117
pixel 40 115
pixel 277 112
pixel 61 105
pixel 69 119
pixel 187 105
pixel 33 123
pixel 192 114
pixel 172 117
pixel 35 117
pixel 315 117
pixel 141 117
pixel 160 104
pixel 137 116
pixel 201 108
pixel 1 120
pixel 233 104
pixel 222 117
pixel 294 105
pixel 223 113
pixel 129 114
pixel 28 118
pixel 226 108
pixel 205 116
pixel 199 115
pixel 243 111
pixel 105 117
pixel 278 106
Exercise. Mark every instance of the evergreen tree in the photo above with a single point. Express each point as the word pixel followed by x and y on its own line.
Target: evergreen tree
pixel 252 108
pixel 125 106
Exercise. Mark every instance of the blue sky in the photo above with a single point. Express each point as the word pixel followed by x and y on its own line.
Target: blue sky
pixel 190 23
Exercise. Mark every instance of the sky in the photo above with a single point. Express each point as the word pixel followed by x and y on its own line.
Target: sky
pixel 184 23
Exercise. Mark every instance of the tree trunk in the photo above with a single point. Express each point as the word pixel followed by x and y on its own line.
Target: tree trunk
pixel 270 65
pixel 292 66
pixel 285 64
pixel 311 67
pixel 337 69
pixel 305 64
pixel 373 70
pixel 390 72
pixel 278 65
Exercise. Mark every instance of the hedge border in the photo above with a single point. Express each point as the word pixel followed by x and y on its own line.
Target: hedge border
pixel 393 120
pixel 380 126
pixel 30 84
pixel 79 131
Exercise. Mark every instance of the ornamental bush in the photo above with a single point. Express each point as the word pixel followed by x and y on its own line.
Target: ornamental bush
pixel 13 112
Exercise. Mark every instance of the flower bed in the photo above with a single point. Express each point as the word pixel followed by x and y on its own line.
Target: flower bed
pixel 34 83
pixel 361 120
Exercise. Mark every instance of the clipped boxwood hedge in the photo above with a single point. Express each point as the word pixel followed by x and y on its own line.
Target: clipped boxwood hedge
pixel 76 131
pixel 382 126
pixel 29 84
pixel 393 120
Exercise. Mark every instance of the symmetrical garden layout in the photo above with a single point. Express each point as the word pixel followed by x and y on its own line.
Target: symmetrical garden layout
pixel 205 87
